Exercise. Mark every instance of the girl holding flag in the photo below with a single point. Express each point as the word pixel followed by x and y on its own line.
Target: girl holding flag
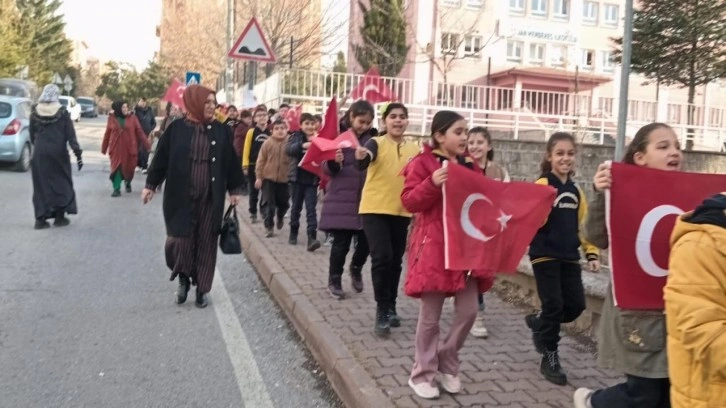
pixel 631 341
pixel 427 277
pixel 385 221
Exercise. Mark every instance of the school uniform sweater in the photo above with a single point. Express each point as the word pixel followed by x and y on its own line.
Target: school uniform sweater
pixel 384 181
pixel 559 238
pixel 253 143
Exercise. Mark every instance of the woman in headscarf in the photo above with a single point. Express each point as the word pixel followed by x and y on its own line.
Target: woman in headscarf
pixel 196 158
pixel 122 139
pixel 51 131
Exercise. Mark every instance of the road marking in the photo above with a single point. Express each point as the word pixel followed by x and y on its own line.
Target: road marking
pixel 251 386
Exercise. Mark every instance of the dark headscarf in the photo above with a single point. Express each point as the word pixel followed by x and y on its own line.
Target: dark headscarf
pixel 116 107
pixel 195 96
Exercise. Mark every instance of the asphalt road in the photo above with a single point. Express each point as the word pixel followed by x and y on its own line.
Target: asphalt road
pixel 87 313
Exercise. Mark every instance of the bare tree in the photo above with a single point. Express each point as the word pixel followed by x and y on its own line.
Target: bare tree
pixel 310 28
pixel 89 78
pixel 459 39
pixel 193 39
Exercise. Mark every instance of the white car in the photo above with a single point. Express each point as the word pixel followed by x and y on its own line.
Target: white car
pixel 74 108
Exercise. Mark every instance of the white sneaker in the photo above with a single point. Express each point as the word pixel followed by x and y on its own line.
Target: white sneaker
pixel 478 330
pixel 582 396
pixel 424 389
pixel 451 383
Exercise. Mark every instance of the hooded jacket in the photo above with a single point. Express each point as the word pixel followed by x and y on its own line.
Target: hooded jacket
pixel 695 304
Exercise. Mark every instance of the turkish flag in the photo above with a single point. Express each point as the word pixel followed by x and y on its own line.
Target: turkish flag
pixel 373 89
pixel 322 149
pixel 488 224
pixel 330 129
pixel 175 94
pixel 642 206
pixel 292 116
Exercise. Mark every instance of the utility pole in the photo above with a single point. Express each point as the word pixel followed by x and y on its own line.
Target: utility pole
pixel 624 80
pixel 228 82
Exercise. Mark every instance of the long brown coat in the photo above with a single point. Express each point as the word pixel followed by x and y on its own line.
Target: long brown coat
pixel 122 144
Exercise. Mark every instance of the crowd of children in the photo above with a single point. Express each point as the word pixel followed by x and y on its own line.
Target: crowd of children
pixel 374 190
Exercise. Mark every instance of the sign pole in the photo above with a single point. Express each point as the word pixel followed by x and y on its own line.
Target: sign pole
pixel 624 80
pixel 253 75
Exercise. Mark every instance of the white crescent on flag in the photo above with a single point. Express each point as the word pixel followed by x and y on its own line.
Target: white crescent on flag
pixel 645 235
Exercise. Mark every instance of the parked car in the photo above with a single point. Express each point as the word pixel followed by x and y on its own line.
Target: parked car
pixel 19 87
pixel 15 145
pixel 74 108
pixel 88 107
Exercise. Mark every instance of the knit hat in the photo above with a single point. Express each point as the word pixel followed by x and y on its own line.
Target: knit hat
pixel 51 94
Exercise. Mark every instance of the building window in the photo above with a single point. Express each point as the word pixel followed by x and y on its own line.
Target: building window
pixel 451 3
pixel 472 46
pixel 516 6
pixel 558 55
pixel 536 54
pixel 539 7
pixel 611 15
pixel 514 51
pixel 562 9
pixel 474 4
pixel 449 43
pixel 608 62
pixel 587 59
pixel 589 12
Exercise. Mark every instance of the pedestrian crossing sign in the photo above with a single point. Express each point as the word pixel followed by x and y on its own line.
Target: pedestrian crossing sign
pixel 193 78
pixel 252 45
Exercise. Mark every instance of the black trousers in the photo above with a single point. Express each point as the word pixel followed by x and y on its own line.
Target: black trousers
pixel 387 239
pixel 635 392
pixel 339 250
pixel 559 285
pixel 277 200
pixel 306 194
pixel 254 193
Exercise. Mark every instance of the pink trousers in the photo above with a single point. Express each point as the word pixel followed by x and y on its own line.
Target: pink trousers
pixel 432 356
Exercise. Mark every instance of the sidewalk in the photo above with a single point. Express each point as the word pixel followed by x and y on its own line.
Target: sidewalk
pixel 366 371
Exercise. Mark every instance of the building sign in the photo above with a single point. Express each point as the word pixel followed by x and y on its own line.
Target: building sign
pixel 540 34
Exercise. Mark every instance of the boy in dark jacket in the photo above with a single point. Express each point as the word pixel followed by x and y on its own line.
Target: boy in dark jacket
pixel 303 184
pixel 253 143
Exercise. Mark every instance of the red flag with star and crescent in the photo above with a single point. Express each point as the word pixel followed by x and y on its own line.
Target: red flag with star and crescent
pixel 488 224
pixel 323 146
pixel 373 89
pixel 642 206
pixel 175 94
pixel 292 116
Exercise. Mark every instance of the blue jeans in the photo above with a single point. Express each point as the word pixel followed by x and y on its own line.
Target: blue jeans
pixel 308 195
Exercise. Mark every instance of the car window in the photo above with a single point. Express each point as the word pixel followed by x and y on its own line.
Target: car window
pixel 63 101
pixel 5 110
pixel 85 101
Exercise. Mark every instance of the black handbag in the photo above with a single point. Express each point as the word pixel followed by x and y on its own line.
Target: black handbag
pixel 229 241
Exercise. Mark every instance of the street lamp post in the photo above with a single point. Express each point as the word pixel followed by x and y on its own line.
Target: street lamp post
pixel 228 85
pixel 624 80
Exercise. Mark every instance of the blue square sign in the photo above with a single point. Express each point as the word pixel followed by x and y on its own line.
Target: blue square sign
pixel 193 78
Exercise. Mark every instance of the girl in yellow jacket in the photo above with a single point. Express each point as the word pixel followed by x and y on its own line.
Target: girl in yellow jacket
pixel 695 304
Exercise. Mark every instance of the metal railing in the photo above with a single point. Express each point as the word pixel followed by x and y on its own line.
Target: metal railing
pixel 530 114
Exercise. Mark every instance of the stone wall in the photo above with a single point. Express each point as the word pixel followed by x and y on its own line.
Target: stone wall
pixel 522 159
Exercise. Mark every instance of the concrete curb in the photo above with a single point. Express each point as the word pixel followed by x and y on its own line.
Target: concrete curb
pixel 352 383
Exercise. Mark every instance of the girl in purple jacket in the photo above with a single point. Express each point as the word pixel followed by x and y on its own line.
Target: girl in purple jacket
pixel 339 215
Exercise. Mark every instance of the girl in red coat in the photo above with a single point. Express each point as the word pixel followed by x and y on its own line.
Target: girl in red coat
pixel 427 278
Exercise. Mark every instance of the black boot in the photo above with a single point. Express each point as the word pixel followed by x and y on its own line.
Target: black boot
pixel 356 278
pixel 313 243
pixel 393 318
pixel 61 220
pixel 41 224
pixel 116 193
pixel 183 289
pixel 335 288
pixel 534 324
pixel 128 186
pixel 383 326
pixel 551 368
pixel 293 237
pixel 201 300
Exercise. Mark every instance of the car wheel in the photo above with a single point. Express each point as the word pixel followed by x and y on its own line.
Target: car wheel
pixel 23 164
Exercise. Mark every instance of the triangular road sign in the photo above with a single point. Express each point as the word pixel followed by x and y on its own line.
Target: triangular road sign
pixel 252 45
